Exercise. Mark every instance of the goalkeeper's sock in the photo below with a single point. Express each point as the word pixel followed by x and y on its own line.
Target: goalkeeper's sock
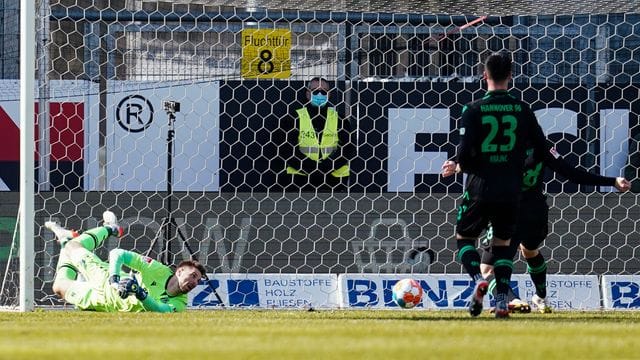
pixel 62 235
pixel 469 257
pixel 502 269
pixel 110 221
pixel 537 269
pixel 93 238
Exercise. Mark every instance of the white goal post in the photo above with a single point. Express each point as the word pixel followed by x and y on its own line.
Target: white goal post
pixel 27 147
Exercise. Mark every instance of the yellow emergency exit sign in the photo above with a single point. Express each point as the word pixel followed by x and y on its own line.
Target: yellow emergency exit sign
pixel 266 53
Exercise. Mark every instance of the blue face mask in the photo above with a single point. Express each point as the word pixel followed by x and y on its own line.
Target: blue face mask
pixel 319 100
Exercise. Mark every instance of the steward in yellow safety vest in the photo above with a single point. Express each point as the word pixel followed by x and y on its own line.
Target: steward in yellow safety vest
pixel 315 149
pixel 318 146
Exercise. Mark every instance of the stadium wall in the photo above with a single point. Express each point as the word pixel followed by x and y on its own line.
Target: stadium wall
pixel 271 232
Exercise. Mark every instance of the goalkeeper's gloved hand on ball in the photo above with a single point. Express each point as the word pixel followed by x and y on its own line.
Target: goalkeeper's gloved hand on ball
pixel 127 287
pixel 114 281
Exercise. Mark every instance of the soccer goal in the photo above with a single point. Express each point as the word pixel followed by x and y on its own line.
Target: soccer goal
pixel 173 115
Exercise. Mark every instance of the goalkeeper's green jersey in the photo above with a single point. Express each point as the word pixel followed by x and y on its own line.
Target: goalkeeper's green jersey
pixel 152 276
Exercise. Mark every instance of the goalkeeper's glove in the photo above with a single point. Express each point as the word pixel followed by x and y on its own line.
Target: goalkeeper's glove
pixel 114 281
pixel 128 287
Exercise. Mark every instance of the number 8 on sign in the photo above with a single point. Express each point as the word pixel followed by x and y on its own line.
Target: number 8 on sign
pixel 265 66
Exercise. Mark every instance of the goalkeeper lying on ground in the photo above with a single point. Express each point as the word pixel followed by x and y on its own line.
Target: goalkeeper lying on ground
pixel 155 287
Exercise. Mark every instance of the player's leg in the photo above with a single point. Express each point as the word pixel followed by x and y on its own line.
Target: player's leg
pixel 62 234
pixel 487 259
pixel 76 256
pixel 470 223
pixel 503 218
pixel 66 286
pixel 515 305
pixel 502 269
pixel 95 292
pixel 89 294
pixel 535 231
pixel 66 272
pixel 486 262
pixel 528 224
pixel 88 263
pixel 71 263
pixel 537 268
pixel 91 239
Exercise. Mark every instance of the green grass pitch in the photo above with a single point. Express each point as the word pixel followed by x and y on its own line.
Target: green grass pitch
pixel 340 334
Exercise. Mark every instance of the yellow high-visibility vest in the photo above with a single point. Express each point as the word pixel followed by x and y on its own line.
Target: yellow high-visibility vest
pixel 314 149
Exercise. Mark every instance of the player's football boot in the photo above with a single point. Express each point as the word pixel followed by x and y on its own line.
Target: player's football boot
pixel 516 306
pixel 111 221
pixel 519 306
pixel 62 234
pixel 541 304
pixel 479 291
pixel 502 310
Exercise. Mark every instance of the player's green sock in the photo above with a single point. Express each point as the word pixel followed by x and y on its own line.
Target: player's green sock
pixel 469 257
pixel 93 238
pixel 537 269
pixel 492 284
pixel 502 269
pixel 492 288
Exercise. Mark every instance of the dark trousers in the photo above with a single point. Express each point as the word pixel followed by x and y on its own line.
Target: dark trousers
pixel 319 183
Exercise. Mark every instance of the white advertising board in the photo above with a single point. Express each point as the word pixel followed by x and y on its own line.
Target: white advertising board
pixel 279 291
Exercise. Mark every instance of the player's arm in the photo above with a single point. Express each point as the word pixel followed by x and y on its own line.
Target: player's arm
pixel 449 168
pixel 538 140
pixel 128 287
pixel 150 304
pixel 578 176
pixel 137 262
pixel 468 134
pixel 119 257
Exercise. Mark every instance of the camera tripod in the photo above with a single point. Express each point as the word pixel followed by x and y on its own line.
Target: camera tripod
pixel 169 227
pixel 169 222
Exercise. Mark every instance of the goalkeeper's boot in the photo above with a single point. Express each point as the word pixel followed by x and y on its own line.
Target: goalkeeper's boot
pixel 111 221
pixel 541 304
pixel 479 291
pixel 502 310
pixel 62 235
pixel 519 306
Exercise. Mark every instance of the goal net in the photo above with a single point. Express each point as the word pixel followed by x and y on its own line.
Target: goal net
pixel 174 116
